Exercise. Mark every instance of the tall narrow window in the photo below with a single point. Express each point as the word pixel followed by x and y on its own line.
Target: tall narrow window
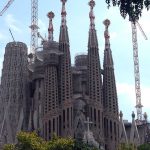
pixel 45 130
pixel 60 125
pixel 99 119
pixel 94 116
pixel 49 129
pixel 64 119
pixel 68 117
pixel 53 124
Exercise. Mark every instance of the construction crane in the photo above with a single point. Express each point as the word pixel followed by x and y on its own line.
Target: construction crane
pixel 6 7
pixel 136 69
pixel 34 26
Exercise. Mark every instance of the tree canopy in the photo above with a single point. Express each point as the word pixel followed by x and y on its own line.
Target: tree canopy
pixel 31 141
pixel 124 146
pixel 144 147
pixel 132 8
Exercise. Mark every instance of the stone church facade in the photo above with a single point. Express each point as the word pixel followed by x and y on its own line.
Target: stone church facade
pixel 59 97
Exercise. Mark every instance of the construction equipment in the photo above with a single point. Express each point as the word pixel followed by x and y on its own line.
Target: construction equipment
pixel 34 26
pixel 12 35
pixel 40 36
pixel 136 69
pixel 6 7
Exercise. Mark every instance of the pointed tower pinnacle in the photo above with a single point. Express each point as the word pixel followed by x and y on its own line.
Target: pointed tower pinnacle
pixel 63 38
pixel 94 78
pixel 93 59
pixel 106 34
pixel 63 13
pixel 92 32
pixel 91 14
pixel 108 60
pixel 110 94
pixel 65 77
pixel 50 15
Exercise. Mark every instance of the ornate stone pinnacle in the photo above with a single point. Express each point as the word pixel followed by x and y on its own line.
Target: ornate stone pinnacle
pixel 63 1
pixel 133 114
pixel 63 13
pixel 145 116
pixel 92 4
pixel 121 114
pixel 50 15
pixel 91 14
pixel 106 23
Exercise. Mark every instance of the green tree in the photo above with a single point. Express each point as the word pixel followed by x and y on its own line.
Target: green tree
pixel 28 141
pixel 79 145
pixel 31 141
pixel 9 147
pixel 124 146
pixel 133 8
pixel 144 147
pixel 58 143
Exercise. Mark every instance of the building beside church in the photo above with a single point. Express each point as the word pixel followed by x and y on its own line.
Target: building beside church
pixel 51 96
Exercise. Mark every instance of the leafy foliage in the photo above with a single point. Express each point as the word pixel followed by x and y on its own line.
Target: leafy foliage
pixel 9 147
pixel 127 147
pixel 133 8
pixel 79 145
pixel 144 147
pixel 60 143
pixel 31 141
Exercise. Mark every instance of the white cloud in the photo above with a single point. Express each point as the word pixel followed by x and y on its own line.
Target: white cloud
pixel 12 23
pixel 2 36
pixel 113 35
pixel 42 26
pixel 128 91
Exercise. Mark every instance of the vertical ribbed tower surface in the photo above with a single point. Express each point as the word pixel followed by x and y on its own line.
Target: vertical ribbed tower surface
pixel 13 91
pixel 51 52
pixel 111 119
pixel 65 76
pixel 94 79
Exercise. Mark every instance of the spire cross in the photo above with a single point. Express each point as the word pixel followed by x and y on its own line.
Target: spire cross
pixel 50 15
pixel 88 122
pixel 91 14
pixel 106 33
pixel 63 13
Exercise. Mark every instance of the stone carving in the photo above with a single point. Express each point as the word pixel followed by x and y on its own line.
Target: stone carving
pixel 79 126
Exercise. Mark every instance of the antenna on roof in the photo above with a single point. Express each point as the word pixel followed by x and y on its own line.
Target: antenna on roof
pixel 12 35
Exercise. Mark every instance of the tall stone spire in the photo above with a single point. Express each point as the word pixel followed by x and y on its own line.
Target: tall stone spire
pixel 92 33
pixel 94 79
pixel 65 77
pixel 50 15
pixel 111 119
pixel 108 56
pixel 51 56
pixel 63 29
pixel 95 83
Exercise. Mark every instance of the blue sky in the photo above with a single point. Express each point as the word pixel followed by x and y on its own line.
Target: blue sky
pixel 18 18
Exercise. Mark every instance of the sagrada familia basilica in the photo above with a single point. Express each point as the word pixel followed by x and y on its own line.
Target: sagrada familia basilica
pixel 51 96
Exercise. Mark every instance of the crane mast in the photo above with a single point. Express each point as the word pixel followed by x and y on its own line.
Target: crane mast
pixel 136 71
pixel 34 26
